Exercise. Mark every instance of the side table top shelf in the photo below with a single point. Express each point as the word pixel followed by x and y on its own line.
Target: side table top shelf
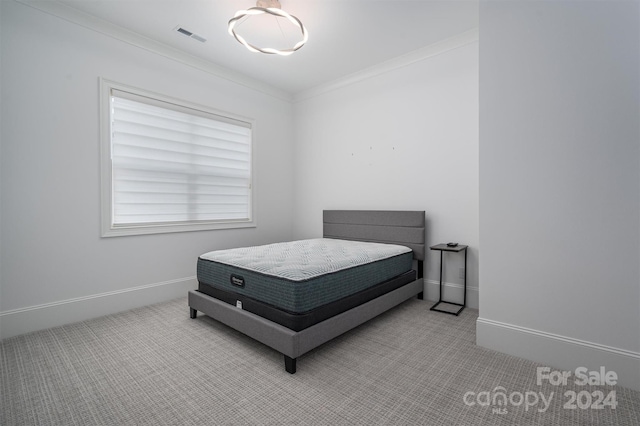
pixel 445 247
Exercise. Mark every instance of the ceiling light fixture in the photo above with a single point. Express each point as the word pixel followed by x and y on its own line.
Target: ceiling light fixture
pixel 270 7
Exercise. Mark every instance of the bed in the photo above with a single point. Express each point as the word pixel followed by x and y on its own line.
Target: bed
pixel 367 269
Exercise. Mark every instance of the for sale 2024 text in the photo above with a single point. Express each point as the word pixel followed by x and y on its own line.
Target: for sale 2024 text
pixel 583 399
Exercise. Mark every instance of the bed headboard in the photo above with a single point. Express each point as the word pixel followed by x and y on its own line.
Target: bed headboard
pixel 383 226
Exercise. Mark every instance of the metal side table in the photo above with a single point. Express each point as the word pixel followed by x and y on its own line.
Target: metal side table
pixel 456 249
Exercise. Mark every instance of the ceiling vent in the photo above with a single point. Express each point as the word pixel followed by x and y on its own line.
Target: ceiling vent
pixel 190 34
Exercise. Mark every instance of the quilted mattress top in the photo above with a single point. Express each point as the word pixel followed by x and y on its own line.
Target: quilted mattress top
pixel 305 259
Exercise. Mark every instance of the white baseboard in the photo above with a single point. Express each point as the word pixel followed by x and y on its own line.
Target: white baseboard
pixel 452 292
pixel 560 352
pixel 40 317
pixel 33 318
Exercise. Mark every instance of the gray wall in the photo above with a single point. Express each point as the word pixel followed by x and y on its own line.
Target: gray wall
pixel 55 266
pixel 405 137
pixel 560 183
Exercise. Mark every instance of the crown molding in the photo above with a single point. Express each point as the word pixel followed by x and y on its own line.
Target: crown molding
pixel 443 46
pixel 101 26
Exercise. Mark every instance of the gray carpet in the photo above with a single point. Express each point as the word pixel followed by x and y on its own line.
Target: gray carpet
pixel 156 366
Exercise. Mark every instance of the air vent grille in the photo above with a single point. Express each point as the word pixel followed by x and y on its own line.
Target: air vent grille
pixel 190 34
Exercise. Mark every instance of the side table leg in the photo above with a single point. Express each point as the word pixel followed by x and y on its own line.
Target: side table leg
pixel 464 303
pixel 440 296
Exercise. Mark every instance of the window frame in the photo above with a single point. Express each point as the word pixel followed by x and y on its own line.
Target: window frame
pixel 108 228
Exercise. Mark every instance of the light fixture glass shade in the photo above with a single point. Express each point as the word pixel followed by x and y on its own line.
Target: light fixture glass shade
pixel 274 10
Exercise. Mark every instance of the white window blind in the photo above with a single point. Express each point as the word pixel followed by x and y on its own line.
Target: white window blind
pixel 173 164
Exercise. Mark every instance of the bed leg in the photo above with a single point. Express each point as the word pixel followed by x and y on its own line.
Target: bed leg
pixel 193 312
pixel 421 295
pixel 290 364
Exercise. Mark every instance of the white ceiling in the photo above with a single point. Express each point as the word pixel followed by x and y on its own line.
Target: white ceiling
pixel 345 36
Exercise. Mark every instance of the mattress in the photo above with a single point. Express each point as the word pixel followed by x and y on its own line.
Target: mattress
pixel 300 276
pixel 298 321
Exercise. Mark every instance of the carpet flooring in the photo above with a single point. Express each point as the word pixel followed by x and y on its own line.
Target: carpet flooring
pixel 409 366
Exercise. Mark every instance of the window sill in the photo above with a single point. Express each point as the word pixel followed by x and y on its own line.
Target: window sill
pixel 121 231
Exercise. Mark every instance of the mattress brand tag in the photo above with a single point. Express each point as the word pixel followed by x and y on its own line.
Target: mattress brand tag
pixel 237 280
pixel 239 304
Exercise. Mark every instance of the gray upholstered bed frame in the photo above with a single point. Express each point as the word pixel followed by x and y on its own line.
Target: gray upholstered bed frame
pixel 397 227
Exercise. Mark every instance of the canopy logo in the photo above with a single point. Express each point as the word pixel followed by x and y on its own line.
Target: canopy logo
pixel 499 400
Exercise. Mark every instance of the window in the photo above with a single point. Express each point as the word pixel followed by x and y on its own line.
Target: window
pixel 170 166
